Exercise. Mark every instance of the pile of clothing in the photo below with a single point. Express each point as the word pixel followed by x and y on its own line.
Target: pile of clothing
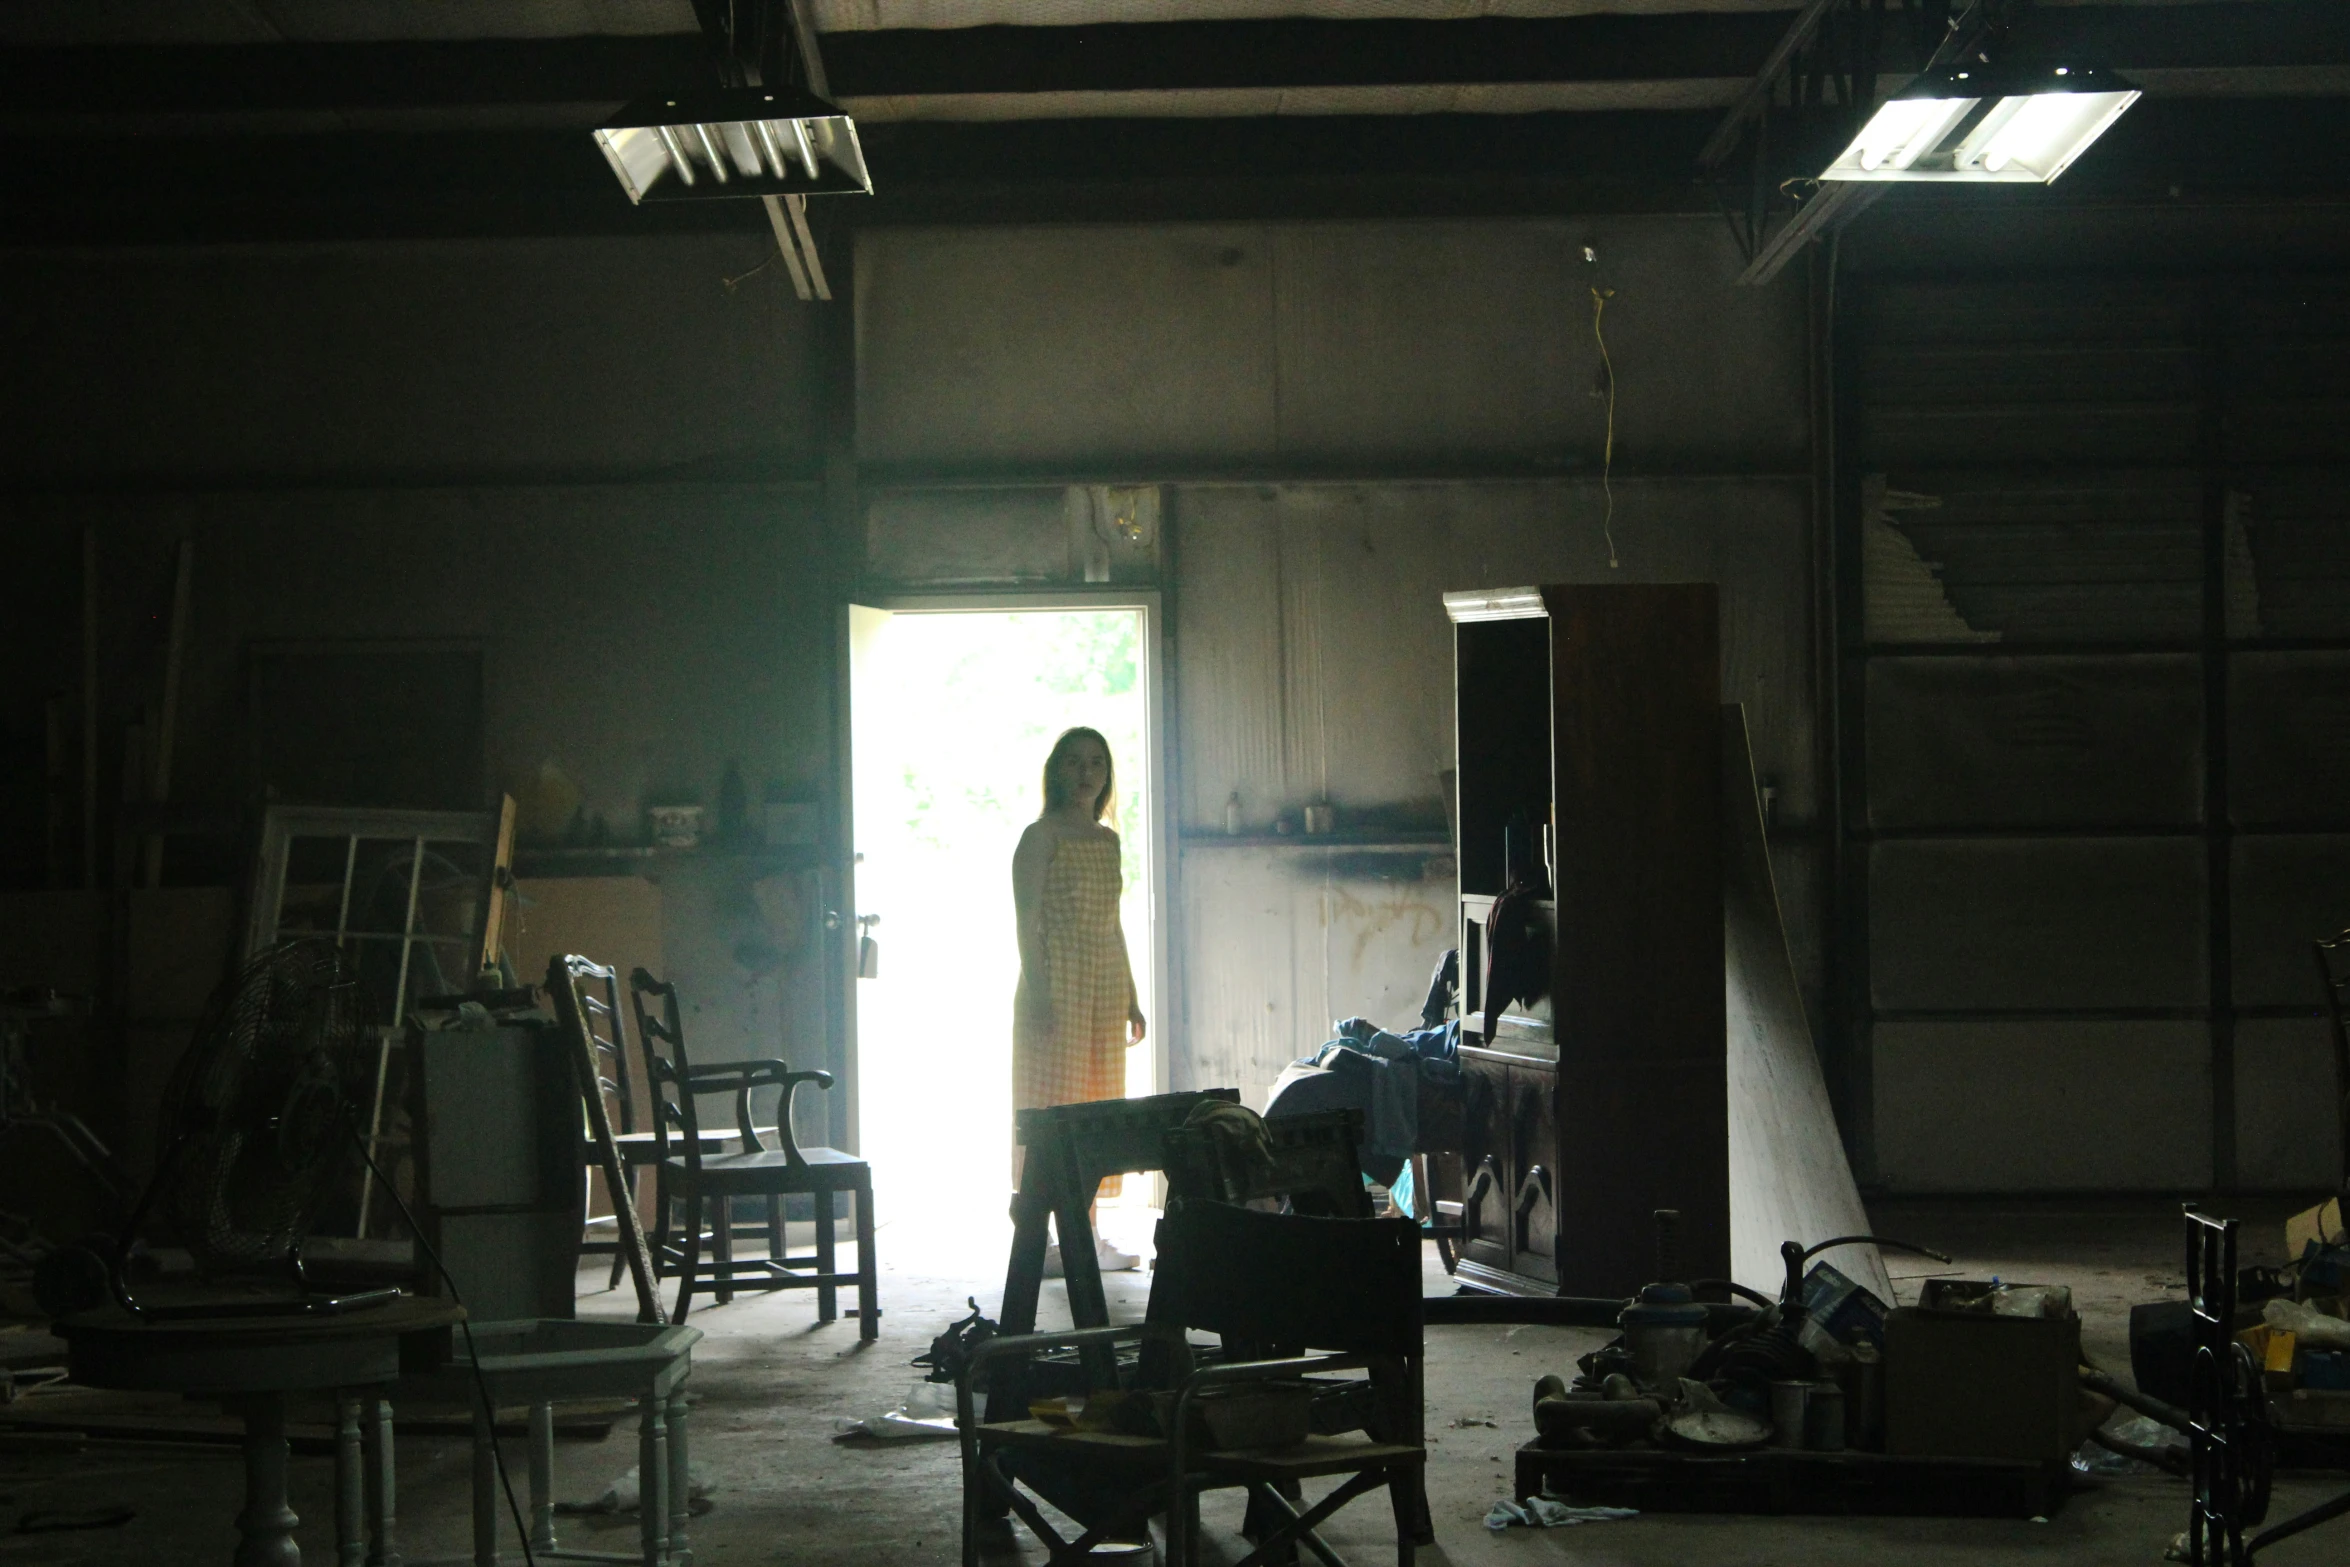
pixel 1367 1068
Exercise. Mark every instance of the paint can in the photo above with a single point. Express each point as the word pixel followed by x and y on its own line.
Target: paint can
pixel 1788 1401
pixel 1823 1418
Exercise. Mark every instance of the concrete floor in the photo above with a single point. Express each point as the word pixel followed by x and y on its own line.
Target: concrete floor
pixel 770 1384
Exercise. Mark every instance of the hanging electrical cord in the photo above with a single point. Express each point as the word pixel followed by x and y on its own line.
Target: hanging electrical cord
pixel 1607 460
pixel 481 1384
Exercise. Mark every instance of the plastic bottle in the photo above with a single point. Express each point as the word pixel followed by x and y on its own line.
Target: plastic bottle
pixel 1232 815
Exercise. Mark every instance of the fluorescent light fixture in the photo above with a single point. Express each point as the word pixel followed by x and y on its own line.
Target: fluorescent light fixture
pixel 1984 124
pixel 734 141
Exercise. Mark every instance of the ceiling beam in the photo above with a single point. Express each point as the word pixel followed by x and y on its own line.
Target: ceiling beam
pixel 1505 65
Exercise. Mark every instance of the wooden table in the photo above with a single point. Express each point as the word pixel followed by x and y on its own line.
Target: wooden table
pixel 250 1364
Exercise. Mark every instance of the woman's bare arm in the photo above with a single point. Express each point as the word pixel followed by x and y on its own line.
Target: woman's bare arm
pixel 1136 1025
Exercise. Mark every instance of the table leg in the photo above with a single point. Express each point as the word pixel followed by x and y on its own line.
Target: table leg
pixel 681 1550
pixel 350 1486
pixel 652 1477
pixel 265 1529
pixel 542 1476
pixel 382 1498
pixel 485 1487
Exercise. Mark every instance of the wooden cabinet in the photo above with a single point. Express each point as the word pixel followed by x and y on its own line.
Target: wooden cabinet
pixel 1589 759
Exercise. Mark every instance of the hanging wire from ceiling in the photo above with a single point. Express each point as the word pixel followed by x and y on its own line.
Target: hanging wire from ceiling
pixel 1600 295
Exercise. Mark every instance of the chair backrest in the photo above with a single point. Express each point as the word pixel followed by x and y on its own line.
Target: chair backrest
pixel 1309 1159
pixel 660 1035
pixel 2333 969
pixel 587 1008
pixel 593 991
pixel 1347 1285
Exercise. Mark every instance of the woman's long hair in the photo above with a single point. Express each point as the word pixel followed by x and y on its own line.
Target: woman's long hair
pixel 1055 796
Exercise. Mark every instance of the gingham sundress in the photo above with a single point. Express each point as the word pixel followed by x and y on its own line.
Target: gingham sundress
pixel 1081 1055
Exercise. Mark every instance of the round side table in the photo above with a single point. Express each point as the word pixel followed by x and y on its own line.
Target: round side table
pixel 250 1364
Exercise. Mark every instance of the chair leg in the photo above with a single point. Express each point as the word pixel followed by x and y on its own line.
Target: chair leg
pixel 620 1247
pixel 1407 1496
pixel 722 1249
pixel 691 1267
pixel 868 1267
pixel 827 1259
pixel 658 1244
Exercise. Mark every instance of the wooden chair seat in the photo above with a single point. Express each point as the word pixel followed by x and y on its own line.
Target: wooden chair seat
pixel 753 1173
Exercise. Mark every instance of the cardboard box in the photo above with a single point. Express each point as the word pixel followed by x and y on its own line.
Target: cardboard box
pixel 2319 1226
pixel 1963 1384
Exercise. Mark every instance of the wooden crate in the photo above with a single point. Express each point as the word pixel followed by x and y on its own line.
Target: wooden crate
pixel 1780 1482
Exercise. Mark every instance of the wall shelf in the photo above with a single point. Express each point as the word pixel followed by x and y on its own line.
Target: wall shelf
pixel 1434 842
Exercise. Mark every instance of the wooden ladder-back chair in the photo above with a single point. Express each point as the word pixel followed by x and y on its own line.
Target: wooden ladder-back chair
pixel 690 1177
pixel 594 991
pixel 1327 1295
pixel 587 1010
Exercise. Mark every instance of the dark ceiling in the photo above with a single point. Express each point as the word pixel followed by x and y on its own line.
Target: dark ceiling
pixel 150 122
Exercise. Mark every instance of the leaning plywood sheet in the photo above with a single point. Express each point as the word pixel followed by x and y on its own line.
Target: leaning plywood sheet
pixel 1788 1176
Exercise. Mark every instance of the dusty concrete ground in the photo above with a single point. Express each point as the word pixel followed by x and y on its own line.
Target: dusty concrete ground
pixel 771 1383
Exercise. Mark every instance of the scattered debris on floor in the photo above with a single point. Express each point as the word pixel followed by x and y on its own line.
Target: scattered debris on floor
pixel 1543 1512
pixel 624 1494
pixel 926 1414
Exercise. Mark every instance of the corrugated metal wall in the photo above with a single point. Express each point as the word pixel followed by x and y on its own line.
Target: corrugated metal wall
pixel 2102 772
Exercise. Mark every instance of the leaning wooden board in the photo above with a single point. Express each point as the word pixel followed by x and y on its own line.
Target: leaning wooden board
pixel 1780 1482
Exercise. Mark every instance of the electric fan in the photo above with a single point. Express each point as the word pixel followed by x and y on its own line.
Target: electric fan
pixel 255 1129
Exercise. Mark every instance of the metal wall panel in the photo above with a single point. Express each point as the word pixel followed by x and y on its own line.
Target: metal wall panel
pixel 2036 925
pixel 2289 368
pixel 2073 372
pixel 1441 342
pixel 1987 1106
pixel 1318 610
pixel 448 359
pixel 2045 742
pixel 2289 738
pixel 1008 346
pixel 2289 891
pixel 2288 1137
pixel 2298 534
pixel 2076 556
pixel 1277 948
pixel 940 537
pixel 1230 733
pixel 1399 345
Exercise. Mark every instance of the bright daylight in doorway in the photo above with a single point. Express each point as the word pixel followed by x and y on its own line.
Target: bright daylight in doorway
pixel 954 714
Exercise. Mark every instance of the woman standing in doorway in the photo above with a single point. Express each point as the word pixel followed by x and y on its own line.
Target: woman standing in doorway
pixel 1075 1011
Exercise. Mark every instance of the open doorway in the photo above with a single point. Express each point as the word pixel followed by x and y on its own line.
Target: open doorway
pixel 954 705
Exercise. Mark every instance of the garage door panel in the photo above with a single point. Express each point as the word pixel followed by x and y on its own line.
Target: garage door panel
pixel 2028 924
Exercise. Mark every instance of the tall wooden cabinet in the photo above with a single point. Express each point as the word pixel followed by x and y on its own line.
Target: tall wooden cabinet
pixel 1589 730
